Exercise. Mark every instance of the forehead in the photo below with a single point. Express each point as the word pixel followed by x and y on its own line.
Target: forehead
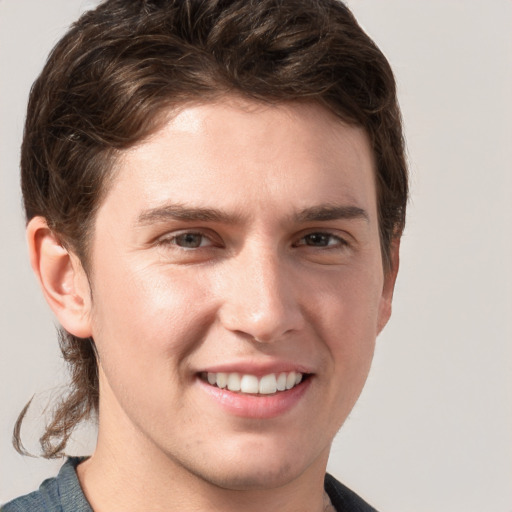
pixel 238 153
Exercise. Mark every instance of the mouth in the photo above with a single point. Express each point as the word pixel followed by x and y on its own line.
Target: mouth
pixel 270 384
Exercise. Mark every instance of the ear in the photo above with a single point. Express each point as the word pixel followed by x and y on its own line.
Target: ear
pixel 62 278
pixel 389 285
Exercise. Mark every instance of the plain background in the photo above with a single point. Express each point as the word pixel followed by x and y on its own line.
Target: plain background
pixel 433 428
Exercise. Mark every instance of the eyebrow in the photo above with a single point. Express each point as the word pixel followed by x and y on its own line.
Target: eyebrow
pixel 331 212
pixel 185 213
pixel 181 212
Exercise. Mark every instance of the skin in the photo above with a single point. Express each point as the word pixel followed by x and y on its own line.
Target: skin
pixel 284 271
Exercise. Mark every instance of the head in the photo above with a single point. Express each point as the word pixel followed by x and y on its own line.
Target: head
pixel 127 67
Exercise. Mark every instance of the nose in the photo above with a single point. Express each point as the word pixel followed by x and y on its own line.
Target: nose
pixel 260 298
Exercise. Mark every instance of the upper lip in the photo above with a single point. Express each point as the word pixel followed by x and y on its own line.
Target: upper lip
pixel 257 369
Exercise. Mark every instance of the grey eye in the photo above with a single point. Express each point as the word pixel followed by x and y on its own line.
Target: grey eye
pixel 318 239
pixel 189 240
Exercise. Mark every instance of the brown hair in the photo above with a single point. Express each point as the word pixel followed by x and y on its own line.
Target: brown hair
pixel 122 64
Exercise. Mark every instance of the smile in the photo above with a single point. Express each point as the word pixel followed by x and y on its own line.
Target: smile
pixel 250 384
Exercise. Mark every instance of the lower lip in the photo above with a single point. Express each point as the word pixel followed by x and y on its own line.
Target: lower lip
pixel 257 406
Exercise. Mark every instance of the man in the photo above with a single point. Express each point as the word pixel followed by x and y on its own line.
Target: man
pixel 215 193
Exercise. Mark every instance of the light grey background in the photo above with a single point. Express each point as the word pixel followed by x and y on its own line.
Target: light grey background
pixel 433 429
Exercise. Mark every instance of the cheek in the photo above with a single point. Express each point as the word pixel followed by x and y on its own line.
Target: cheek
pixel 350 307
pixel 353 298
pixel 145 326
pixel 144 320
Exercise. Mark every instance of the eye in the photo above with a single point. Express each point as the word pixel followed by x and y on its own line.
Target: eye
pixel 188 240
pixel 319 239
pixel 190 246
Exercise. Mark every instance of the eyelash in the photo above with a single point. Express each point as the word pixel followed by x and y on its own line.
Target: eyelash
pixel 172 240
pixel 302 242
pixel 339 241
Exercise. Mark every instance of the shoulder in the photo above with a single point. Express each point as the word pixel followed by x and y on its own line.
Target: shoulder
pixel 45 499
pixel 60 494
pixel 343 499
pixel 34 502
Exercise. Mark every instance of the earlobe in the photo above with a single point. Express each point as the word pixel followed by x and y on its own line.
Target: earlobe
pixel 62 278
pixel 390 275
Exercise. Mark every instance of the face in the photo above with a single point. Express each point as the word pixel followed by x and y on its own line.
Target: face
pixel 237 290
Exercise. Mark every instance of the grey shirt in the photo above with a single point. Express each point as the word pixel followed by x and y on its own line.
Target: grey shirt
pixel 64 494
pixel 60 494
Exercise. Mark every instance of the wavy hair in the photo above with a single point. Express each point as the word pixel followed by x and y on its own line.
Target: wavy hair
pixel 120 67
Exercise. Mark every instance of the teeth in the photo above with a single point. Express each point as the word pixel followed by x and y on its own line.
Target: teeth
pixel 281 382
pixel 222 379
pixel 290 380
pixel 249 384
pixel 266 385
pixel 233 382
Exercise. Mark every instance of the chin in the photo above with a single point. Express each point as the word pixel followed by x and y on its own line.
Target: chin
pixel 256 477
pixel 266 466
